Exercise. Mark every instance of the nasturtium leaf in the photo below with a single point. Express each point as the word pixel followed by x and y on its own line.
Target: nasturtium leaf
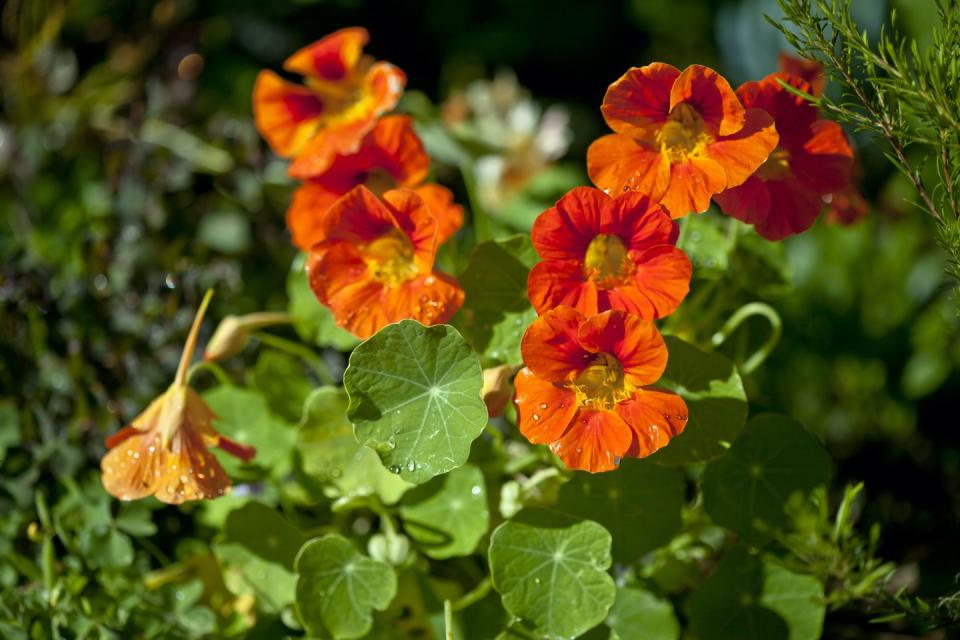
pixel 552 572
pixel 313 321
pixel 246 573
pixel 264 532
pixel 448 515
pixel 717 404
pixel 775 458
pixel 282 380
pixel 750 597
pixel 244 415
pixel 330 453
pixel 638 492
pixel 415 398
pixel 640 614
pixel 338 588
pixel 497 310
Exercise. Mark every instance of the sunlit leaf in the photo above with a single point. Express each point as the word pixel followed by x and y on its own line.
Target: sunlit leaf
pixel 448 515
pixel 552 572
pixel 639 491
pixel 415 398
pixel 338 588
pixel 640 614
pixel 272 585
pixel 244 416
pixel 750 597
pixel 774 458
pixel 712 388
pixel 331 454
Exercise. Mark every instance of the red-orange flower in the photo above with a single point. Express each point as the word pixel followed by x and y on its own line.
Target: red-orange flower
pixel 343 94
pixel 164 452
pixel 603 253
pixel 810 71
pixel 813 159
pixel 390 156
pixel 680 137
pixel 375 265
pixel 585 389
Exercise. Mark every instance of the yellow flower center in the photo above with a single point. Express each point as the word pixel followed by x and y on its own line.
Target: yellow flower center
pixel 684 134
pixel 777 166
pixel 606 262
pixel 601 384
pixel 390 258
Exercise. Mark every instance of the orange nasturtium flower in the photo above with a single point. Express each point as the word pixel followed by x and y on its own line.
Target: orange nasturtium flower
pixel 164 452
pixel 585 388
pixel 375 264
pixel 603 253
pixel 343 94
pixel 813 160
pixel 390 156
pixel 680 138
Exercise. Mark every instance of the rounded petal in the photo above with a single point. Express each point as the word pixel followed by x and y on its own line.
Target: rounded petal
pixel 394 146
pixel 357 217
pixel 826 162
pixel 429 299
pixel 810 71
pixel 544 410
pixel 331 58
pixel 635 342
pixel 792 114
pixel 663 278
pixel 552 283
pixel 793 209
pixel 639 221
pixel 335 269
pixel 595 441
pixel 308 206
pixel 750 202
pixel 639 97
pixel 692 183
pixel 287 115
pixel 564 231
pixel 655 416
pixel 617 163
pixel 742 153
pixel 415 219
pixel 712 96
pixel 447 213
pixel 550 348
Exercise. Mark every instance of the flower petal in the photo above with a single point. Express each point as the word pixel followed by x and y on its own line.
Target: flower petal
pixel 692 183
pixel 331 58
pixel 287 115
pixel 655 416
pixel 635 342
pixel 550 348
pixel 712 96
pixel 618 163
pixel 639 221
pixel 552 283
pixel 750 202
pixel 663 277
pixel 742 153
pixel 793 209
pixel 639 97
pixel 792 114
pixel 544 410
pixel 825 163
pixel 564 231
pixel 447 213
pixel 417 222
pixel 809 71
pixel 357 217
pixel 430 299
pixel 595 441
pixel 308 206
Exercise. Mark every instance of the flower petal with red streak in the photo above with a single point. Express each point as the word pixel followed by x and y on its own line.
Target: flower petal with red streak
pixel 286 114
pixel 595 441
pixel 793 209
pixel 415 220
pixel 634 342
pixel 552 283
pixel 331 58
pixel 639 97
pixel 655 416
pixel 550 348
pixel 447 213
pixel 750 202
pixel 564 231
pixel 826 161
pixel 713 98
pixel 617 163
pixel 544 410
pixel 662 276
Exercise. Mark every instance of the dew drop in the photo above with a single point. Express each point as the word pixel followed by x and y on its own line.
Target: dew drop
pixel 543 405
pixel 536 417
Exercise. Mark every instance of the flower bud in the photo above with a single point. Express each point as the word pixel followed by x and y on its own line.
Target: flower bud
pixel 394 549
pixel 233 333
pixel 497 388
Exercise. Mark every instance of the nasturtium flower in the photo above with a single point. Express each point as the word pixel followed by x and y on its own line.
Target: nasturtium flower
pixel 601 252
pixel 164 452
pixel 810 71
pixel 586 390
pixel 681 137
pixel 391 155
pixel 813 159
pixel 343 94
pixel 375 264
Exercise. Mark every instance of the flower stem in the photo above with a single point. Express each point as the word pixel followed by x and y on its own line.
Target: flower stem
pixel 191 345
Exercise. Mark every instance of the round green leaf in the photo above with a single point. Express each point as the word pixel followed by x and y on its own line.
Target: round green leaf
pixel 338 588
pixel 415 398
pixel 640 614
pixel 712 388
pixel 775 458
pixel 639 491
pixel 244 415
pixel 264 532
pixel 448 515
pixel 751 597
pixel 330 453
pixel 313 321
pixel 552 572
pixel 497 310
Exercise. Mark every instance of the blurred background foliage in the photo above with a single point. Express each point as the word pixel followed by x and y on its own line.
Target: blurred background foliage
pixel 132 179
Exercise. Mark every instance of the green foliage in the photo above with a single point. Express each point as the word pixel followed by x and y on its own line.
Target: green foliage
pixel 640 614
pixel 415 398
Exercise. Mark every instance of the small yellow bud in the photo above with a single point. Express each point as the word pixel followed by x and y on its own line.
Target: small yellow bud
pixel 233 333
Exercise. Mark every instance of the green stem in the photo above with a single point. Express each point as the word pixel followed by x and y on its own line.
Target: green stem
pixel 215 369
pixel 448 619
pixel 763 352
pixel 298 351
pixel 473 596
